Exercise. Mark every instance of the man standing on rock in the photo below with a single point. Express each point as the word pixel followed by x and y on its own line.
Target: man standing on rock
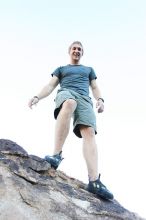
pixel 73 101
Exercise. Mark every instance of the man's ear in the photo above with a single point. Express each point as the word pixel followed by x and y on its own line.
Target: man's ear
pixel 69 50
pixel 82 52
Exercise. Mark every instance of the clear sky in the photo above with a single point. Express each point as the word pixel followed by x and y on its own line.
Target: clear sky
pixel 34 39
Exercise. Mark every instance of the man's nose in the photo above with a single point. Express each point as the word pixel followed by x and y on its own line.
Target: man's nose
pixel 77 51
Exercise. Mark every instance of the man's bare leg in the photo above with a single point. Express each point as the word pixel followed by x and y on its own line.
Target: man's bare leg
pixel 90 151
pixel 63 124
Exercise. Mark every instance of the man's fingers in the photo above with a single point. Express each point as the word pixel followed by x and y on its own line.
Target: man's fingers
pixel 100 110
pixel 100 106
pixel 32 102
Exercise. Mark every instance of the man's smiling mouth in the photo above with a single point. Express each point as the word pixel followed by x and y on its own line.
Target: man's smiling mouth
pixel 76 54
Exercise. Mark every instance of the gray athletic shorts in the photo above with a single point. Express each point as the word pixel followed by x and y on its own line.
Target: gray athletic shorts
pixel 83 114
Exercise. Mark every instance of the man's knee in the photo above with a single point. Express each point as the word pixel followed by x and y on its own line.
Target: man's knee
pixel 70 104
pixel 87 132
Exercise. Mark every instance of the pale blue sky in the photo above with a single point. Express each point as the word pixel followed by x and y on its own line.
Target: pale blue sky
pixel 34 39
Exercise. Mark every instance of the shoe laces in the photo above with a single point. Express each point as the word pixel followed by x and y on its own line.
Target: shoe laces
pixel 99 181
pixel 59 156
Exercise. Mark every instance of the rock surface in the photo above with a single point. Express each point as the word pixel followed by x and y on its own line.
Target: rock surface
pixel 31 189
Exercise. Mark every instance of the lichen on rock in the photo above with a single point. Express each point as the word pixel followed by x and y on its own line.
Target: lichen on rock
pixel 31 189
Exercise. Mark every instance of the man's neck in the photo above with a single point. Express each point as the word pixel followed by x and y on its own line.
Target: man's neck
pixel 74 62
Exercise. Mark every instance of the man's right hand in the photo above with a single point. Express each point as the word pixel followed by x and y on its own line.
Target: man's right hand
pixel 33 101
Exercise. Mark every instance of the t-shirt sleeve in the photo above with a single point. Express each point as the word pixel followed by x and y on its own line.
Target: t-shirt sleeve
pixel 56 73
pixel 92 74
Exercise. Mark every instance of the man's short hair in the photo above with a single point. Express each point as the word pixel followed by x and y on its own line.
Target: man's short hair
pixel 76 42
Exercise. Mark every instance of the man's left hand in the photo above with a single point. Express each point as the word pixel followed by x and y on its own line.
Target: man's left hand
pixel 100 106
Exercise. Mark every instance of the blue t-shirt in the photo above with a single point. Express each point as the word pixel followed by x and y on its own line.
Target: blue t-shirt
pixel 75 77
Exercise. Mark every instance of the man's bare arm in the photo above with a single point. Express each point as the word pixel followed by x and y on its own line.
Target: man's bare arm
pixel 46 91
pixel 97 95
pixel 95 90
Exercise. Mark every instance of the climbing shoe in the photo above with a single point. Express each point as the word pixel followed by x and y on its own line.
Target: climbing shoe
pixel 99 189
pixel 54 160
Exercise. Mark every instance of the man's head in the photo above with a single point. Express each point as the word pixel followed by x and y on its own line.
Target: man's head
pixel 74 44
pixel 76 51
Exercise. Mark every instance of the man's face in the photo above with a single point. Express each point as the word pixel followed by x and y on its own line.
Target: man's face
pixel 76 52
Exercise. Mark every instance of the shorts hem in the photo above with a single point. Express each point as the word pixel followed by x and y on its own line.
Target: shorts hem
pixel 77 132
